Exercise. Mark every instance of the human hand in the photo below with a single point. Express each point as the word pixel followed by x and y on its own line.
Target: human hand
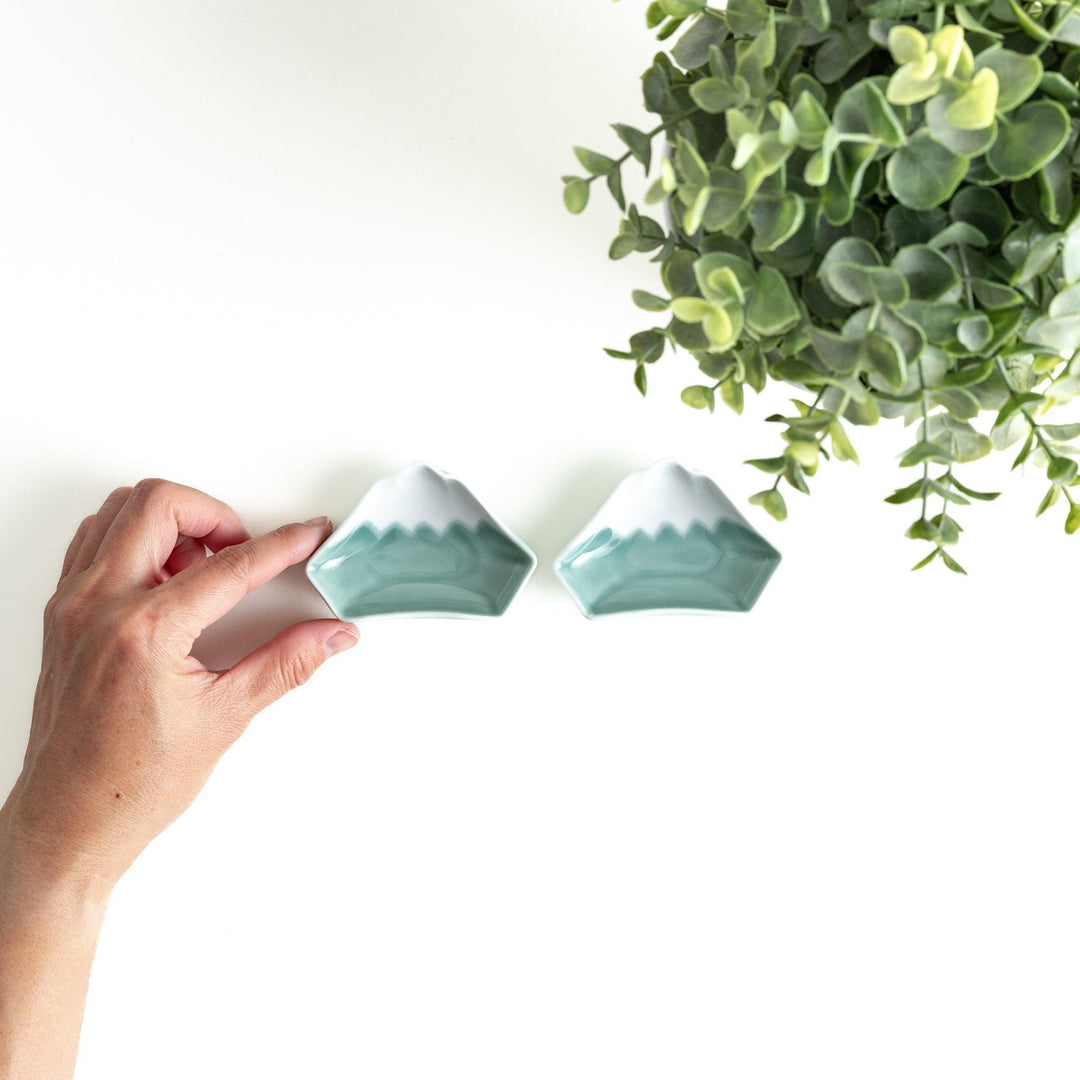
pixel 127 725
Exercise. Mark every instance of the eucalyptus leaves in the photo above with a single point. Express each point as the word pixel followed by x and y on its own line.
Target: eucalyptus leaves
pixel 876 203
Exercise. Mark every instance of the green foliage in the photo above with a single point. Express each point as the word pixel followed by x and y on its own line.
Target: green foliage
pixel 879 205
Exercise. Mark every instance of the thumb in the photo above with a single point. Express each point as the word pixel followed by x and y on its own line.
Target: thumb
pixel 286 662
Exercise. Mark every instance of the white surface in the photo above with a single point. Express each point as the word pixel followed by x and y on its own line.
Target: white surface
pixel 666 493
pixel 279 249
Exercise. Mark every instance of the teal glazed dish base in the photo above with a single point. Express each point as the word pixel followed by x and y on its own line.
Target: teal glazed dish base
pixel 420 544
pixel 667 541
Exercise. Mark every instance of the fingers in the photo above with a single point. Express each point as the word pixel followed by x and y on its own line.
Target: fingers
pixel 76 543
pixel 285 663
pixel 188 552
pixel 209 589
pixel 99 526
pixel 147 528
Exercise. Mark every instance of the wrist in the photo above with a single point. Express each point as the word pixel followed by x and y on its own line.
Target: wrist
pixel 34 874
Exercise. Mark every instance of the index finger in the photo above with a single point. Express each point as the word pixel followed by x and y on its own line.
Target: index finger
pixel 203 593
pixel 158 512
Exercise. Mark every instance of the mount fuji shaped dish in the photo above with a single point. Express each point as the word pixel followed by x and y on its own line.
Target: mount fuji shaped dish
pixel 419 543
pixel 667 540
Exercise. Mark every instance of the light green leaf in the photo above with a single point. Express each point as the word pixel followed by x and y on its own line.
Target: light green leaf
pixel 699 397
pixel 1049 500
pixel 1028 139
pixel 1055 85
pixel 594 163
pixel 863 110
pixel 689 164
pixel 722 327
pixel 624 244
pixel 614 183
pixel 841 444
pixel 691 308
pixel 715 95
pixel 843 48
pixel 964 442
pixel 881 354
pixel 1062 432
pixel 926 451
pixel 772 502
pixel 914 82
pixel 923 173
pixel 947 44
pixel 975 332
pixel 1018 74
pixel 692 49
pixel 695 212
pixel 732 393
pixel 982 496
pixel 576 195
pixel 772 309
pixel 648 346
pixel 959 141
pixel 722 286
pixel 906 44
pixel 680 9
pixel 1061 470
pixel 775 219
pixel 647 301
pixel 773 466
pixel 840 355
pixel 637 142
pixel 984 209
pixel 1072 522
pixel 703 275
pixel 973 110
pixel 1060 334
pixel 929 273
pixel 951 563
pixel 961 403
pixel 811 120
pixel 994 296
pixel 1066 302
pixel 936 553
pixel 726 200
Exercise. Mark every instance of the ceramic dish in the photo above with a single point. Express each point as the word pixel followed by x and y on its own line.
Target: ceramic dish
pixel 419 543
pixel 666 540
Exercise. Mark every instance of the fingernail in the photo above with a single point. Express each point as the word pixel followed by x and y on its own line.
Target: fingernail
pixel 342 640
pixel 322 522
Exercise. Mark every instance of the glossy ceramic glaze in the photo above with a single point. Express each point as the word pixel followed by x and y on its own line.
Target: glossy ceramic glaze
pixel 666 540
pixel 419 543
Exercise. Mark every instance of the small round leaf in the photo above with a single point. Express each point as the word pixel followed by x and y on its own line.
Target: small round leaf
pixel 923 173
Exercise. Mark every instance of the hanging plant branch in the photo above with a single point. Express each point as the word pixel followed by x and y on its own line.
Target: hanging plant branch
pixel 877 204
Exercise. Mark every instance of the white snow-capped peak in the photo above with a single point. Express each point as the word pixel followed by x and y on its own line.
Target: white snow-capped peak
pixel 418 495
pixel 663 494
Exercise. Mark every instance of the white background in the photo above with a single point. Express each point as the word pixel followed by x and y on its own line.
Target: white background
pixel 277 249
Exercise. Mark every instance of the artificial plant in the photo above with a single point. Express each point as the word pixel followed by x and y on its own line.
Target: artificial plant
pixel 876 203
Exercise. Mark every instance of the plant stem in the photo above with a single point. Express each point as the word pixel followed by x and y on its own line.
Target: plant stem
pixel 926 435
pixel 620 161
pixel 946 482
pixel 821 437
pixel 967 273
pixel 1061 22
pixel 1036 428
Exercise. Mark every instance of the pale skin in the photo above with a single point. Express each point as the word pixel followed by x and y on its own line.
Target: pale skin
pixel 127 727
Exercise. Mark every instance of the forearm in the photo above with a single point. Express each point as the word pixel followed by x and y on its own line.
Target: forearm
pixel 50 917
